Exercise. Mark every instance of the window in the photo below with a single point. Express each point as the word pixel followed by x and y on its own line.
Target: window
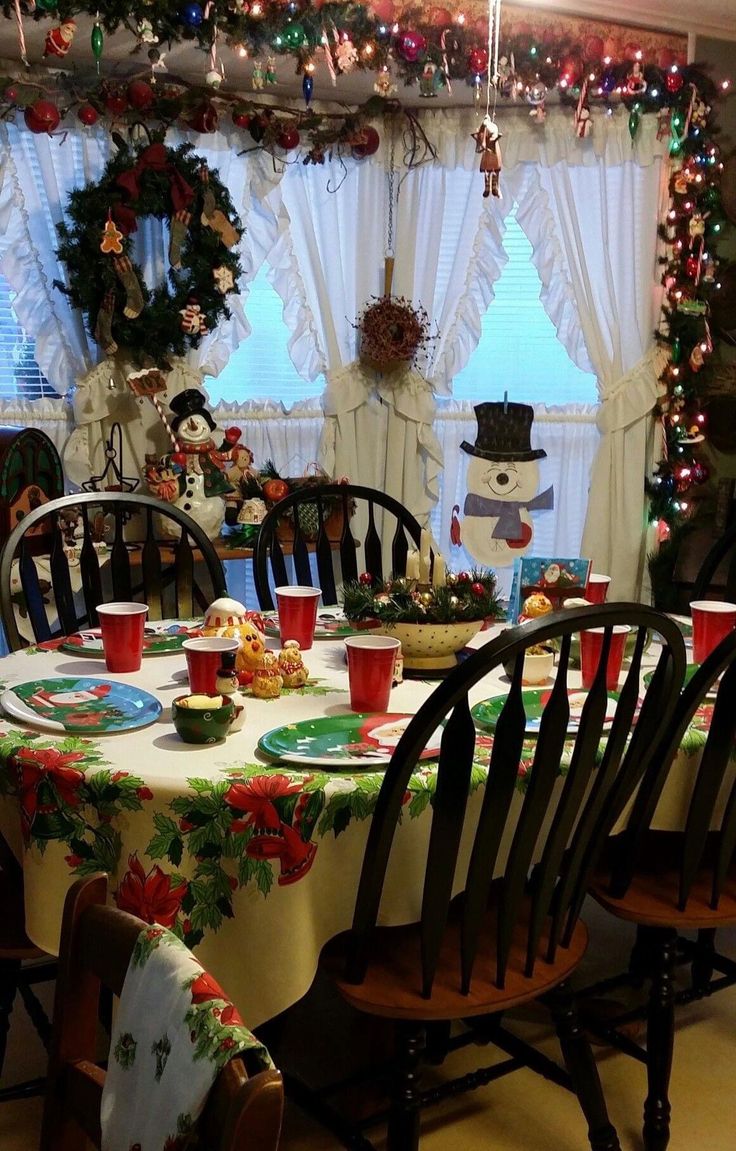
pixel 518 351
pixel 261 368
pixel 20 376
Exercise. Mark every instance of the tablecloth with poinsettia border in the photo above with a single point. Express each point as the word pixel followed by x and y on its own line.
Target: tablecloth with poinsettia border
pixel 254 866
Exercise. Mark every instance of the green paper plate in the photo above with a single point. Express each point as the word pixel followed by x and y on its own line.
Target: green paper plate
pixel 81 705
pixel 487 712
pixel 331 624
pixel 157 640
pixel 689 673
pixel 343 742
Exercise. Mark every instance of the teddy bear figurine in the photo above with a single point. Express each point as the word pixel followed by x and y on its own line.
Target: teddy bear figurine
pixel 267 681
pixel 291 666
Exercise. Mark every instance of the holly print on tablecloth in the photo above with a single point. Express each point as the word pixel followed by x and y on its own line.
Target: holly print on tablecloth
pixel 67 794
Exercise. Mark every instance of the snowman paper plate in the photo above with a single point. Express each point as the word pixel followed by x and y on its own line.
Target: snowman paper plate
pixel 81 705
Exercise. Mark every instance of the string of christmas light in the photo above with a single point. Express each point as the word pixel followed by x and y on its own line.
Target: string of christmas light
pixel 691 277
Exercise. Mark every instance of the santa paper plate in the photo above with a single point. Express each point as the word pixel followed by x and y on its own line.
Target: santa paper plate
pixel 81 704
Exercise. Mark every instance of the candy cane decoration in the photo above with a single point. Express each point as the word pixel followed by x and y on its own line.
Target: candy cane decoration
pixel 147 384
pixel 21 34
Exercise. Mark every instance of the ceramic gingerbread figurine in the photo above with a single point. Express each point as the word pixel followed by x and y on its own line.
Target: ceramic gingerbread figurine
pixel 291 665
pixel 267 681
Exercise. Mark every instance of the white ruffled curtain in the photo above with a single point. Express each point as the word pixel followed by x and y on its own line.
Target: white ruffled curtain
pixel 378 430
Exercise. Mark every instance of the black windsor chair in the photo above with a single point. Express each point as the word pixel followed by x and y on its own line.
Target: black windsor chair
pixel 308 511
pixel 159 569
pixel 506 930
pixel 670 882
pixel 718 566
pixel 243 1111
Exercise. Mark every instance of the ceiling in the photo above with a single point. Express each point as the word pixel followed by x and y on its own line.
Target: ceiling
pixel 711 18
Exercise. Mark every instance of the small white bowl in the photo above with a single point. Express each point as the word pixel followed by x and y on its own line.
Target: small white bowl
pixel 537 668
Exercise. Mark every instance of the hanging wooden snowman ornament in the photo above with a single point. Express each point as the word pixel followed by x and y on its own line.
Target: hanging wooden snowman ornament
pixel 502 485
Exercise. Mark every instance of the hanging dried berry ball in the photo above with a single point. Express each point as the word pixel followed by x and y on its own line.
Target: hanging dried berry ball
pixel 140 94
pixel 88 115
pixel 43 116
pixel 288 138
pixel 478 589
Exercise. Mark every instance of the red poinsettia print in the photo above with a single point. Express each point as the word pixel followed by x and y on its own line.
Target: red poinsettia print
pixel 150 895
pixel 205 989
pixel 46 770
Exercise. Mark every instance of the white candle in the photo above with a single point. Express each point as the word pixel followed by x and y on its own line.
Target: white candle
pixel 424 557
pixel 439 572
pixel 412 564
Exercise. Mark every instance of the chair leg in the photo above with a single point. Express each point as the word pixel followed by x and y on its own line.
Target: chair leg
pixel 640 958
pixel 403 1122
pixel 581 1065
pixel 660 1041
pixel 9 969
pixel 701 968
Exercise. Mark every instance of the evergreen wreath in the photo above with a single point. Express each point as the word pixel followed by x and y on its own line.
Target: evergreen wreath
pixel 95 245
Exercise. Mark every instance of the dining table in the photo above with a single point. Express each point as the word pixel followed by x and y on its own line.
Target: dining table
pixel 249 849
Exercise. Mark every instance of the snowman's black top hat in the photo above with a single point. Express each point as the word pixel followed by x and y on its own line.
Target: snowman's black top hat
pixel 504 433
pixel 190 402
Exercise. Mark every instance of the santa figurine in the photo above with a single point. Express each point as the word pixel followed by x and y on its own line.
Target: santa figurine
pixel 59 40
pixel 486 143
pixel 502 484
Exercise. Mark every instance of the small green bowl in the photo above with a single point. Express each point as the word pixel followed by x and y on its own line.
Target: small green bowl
pixel 202 725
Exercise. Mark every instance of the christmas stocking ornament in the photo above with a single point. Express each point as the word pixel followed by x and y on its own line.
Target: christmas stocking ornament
pixel 103 325
pixel 134 302
pixel 179 224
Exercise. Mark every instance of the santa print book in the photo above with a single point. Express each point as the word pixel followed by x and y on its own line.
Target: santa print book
pixel 557 578
pixel 81 704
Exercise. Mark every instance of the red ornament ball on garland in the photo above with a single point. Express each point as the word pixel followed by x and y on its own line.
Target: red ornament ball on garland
pixel 365 578
pixel 43 116
pixel 288 138
pixel 116 104
pixel 11 94
pixel 140 94
pixel 88 115
pixel 204 118
pixel 370 143
pixel 241 118
pixel 673 81
pixel 478 61
pixel 699 472
pixel 477 589
pixel 691 266
pixel 410 45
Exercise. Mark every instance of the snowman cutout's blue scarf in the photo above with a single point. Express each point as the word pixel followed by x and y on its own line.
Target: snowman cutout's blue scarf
pixel 507 511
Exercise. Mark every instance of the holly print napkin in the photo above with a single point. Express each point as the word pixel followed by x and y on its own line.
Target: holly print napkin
pixel 175 1029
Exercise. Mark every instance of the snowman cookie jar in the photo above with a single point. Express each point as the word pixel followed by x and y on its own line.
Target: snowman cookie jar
pixel 203 482
pixel 502 483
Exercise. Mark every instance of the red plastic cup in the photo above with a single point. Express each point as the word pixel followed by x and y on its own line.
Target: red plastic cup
pixel 204 657
pixel 596 588
pixel 591 645
pixel 298 613
pixel 371 662
pixel 712 621
pixel 122 627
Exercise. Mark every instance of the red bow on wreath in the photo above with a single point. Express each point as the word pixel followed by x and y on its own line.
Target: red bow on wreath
pixel 154 158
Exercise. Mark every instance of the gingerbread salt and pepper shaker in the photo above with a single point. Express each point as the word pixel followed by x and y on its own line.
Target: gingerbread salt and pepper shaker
pixel 227 684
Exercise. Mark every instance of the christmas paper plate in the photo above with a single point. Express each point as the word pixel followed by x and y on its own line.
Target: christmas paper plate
pixel 81 705
pixel 158 639
pixel 487 712
pixel 343 742
pixel 685 625
pixel 689 673
pixel 331 624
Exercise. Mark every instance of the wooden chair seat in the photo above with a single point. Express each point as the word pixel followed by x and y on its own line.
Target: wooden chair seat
pixel 391 989
pixel 652 901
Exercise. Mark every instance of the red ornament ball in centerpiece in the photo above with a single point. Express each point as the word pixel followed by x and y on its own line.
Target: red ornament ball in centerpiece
pixel 463 577
pixel 88 115
pixel 365 578
pixel 43 116
pixel 477 589
pixel 410 45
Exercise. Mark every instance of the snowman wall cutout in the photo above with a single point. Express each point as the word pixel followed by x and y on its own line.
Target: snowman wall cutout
pixel 502 483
